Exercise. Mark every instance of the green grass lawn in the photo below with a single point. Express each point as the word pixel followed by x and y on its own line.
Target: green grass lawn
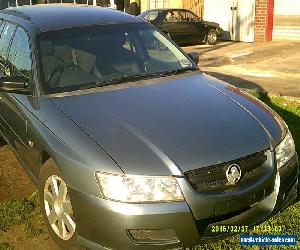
pixel 288 110
pixel 27 211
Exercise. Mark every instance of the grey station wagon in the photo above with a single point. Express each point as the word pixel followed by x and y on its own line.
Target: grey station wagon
pixel 130 145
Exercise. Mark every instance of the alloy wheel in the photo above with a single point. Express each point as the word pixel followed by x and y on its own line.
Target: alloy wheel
pixel 211 37
pixel 58 207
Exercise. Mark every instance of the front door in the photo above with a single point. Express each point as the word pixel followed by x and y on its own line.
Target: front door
pixel 175 26
pixel 14 114
pixel 196 30
pixel 7 31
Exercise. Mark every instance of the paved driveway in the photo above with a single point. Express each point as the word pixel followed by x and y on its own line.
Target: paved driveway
pixel 272 66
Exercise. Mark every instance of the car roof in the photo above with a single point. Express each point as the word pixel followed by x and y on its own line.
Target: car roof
pixel 57 16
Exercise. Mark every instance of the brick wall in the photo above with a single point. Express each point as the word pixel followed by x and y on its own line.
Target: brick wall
pixel 263 24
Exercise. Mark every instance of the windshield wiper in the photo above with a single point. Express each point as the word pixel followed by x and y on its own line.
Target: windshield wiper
pixel 115 81
pixel 176 71
pixel 136 77
pixel 121 79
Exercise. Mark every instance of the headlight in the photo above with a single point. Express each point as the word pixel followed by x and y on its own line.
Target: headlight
pixel 138 189
pixel 285 150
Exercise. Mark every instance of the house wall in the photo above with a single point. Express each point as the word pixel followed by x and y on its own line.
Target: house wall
pixel 175 4
pixel 152 4
pixel 221 15
pixel 144 5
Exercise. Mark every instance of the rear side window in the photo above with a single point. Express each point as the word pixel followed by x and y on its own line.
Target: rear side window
pixel 151 16
pixel 7 3
pixel 189 16
pixel 23 2
pixel 5 38
pixel 104 3
pixel 173 16
pixel 19 60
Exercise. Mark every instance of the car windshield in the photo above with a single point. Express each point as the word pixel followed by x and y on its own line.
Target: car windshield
pixel 82 58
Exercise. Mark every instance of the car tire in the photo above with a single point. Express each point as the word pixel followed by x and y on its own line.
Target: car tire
pixel 58 208
pixel 211 37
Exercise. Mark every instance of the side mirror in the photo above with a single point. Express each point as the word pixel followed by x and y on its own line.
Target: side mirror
pixel 14 84
pixel 194 56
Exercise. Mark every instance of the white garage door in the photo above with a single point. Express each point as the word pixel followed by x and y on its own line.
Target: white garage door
pixel 286 20
pixel 236 17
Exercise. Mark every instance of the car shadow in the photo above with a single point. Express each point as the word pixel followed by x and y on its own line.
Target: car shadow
pixel 236 81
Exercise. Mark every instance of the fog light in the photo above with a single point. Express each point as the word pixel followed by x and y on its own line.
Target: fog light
pixel 161 236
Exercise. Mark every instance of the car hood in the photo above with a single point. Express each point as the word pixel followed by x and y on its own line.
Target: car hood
pixel 168 125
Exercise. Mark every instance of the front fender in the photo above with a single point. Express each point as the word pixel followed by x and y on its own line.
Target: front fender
pixel 76 155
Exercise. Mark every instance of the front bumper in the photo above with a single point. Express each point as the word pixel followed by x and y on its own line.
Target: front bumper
pixel 104 224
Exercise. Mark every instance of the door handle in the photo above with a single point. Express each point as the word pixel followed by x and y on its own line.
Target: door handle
pixel 233 8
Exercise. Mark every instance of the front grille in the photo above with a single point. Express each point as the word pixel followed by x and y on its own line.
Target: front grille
pixel 213 178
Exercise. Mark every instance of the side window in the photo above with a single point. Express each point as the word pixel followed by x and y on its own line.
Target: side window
pixel 7 3
pixel 129 44
pixel 23 2
pixel 103 3
pixel 19 60
pixel 6 35
pixel 151 15
pixel 11 3
pixel 189 16
pixel 156 50
pixel 173 16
